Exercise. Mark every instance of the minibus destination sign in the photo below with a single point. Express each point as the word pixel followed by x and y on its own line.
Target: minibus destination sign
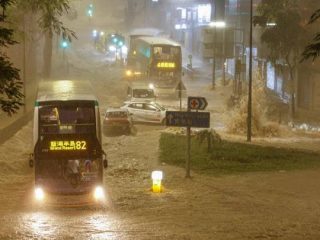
pixel 68 145
pixel 166 65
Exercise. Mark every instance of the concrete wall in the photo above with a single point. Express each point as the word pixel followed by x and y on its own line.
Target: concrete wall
pixel 24 56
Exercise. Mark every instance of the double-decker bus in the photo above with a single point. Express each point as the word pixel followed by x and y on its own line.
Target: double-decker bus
pixel 143 32
pixel 133 35
pixel 68 157
pixel 159 62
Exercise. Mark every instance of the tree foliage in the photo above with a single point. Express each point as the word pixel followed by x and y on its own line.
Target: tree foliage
pixel 283 34
pixel 282 30
pixel 210 135
pixel 50 12
pixel 312 50
pixel 10 85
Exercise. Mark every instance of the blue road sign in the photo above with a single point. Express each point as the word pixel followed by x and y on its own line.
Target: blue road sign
pixel 188 119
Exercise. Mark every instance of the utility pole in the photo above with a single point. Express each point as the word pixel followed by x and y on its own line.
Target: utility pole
pixel 146 12
pixel 249 117
pixel 214 39
pixel 224 58
pixel 188 175
pixel 24 64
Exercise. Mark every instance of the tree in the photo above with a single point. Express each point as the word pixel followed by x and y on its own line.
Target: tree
pixel 10 85
pixel 49 22
pixel 210 135
pixel 313 49
pixel 284 36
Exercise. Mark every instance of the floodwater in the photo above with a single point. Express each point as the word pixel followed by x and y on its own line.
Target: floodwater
pixel 21 218
pixel 277 205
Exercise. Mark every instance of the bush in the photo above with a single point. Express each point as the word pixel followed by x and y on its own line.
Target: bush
pixel 270 129
pixel 211 137
pixel 233 157
pixel 260 125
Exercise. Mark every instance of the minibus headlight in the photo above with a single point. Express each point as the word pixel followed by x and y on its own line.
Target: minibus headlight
pixel 99 193
pixel 39 193
pixel 151 86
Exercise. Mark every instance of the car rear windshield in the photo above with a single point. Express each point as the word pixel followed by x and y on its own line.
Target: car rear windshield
pixel 143 93
pixel 117 114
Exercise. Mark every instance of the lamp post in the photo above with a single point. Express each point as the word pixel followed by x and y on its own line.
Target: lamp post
pixel 249 117
pixel 64 46
pixel 215 25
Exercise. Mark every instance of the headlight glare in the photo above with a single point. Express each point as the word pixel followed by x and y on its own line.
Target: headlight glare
pixel 99 193
pixel 128 73
pixel 39 193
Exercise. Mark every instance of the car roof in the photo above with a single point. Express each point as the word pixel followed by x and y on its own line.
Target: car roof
pixel 139 85
pixel 141 101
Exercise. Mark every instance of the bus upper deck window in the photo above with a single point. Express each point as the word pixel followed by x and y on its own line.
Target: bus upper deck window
pixel 80 116
pixel 157 50
pixel 49 115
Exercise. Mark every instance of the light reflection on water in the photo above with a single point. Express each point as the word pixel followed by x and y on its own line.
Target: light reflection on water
pixel 71 224
pixel 102 226
pixel 40 225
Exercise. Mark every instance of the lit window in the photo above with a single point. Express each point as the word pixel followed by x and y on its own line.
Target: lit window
pixel 183 13
pixel 204 13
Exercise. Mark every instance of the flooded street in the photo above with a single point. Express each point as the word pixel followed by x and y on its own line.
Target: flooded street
pixel 277 205
pixel 260 205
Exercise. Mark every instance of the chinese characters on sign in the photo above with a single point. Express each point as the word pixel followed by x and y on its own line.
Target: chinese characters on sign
pixel 67 145
pixel 188 119
pixel 65 128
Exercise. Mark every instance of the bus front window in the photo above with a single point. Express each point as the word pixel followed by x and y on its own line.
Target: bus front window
pixel 66 119
pixel 74 171
pixel 166 75
pixel 166 52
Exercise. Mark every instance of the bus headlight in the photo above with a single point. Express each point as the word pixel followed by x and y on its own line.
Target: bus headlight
pixel 128 73
pixel 98 193
pixel 39 193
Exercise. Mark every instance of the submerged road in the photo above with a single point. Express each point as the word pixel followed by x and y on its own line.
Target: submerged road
pixel 276 205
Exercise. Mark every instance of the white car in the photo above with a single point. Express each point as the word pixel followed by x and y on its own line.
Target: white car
pixel 140 92
pixel 142 111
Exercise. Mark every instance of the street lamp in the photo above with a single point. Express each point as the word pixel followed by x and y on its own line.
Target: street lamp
pixel 64 46
pixel 215 25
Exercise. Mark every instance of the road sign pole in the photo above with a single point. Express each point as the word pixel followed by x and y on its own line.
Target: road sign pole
pixel 180 95
pixel 188 175
pixel 190 119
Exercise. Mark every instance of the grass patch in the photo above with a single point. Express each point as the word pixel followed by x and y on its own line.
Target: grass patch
pixel 234 157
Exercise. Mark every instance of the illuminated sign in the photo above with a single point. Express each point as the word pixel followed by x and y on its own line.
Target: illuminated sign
pixel 65 127
pixel 166 65
pixel 68 145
